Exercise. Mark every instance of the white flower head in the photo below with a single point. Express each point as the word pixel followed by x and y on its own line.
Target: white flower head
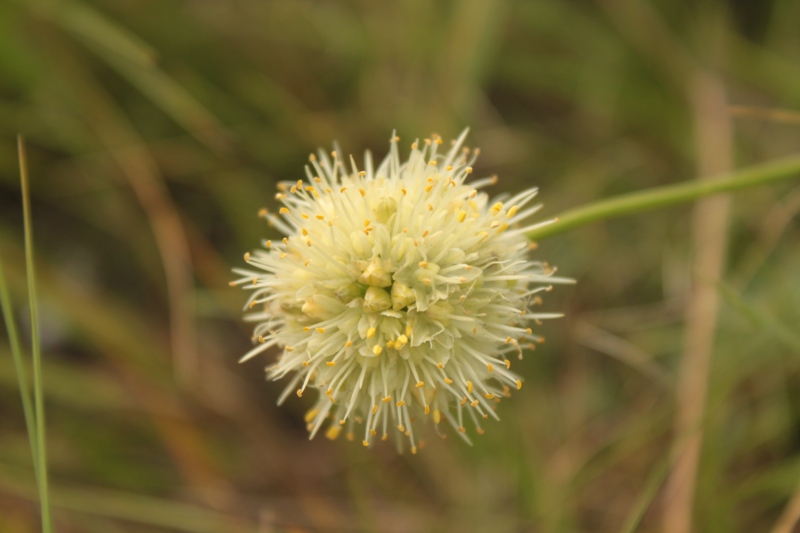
pixel 399 292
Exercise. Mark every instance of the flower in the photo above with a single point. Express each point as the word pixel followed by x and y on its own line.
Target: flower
pixel 398 292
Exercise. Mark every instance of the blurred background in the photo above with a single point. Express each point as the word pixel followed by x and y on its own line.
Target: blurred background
pixel 156 131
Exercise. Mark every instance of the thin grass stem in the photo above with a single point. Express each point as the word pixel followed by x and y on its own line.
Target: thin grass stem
pixel 19 367
pixel 41 446
pixel 669 195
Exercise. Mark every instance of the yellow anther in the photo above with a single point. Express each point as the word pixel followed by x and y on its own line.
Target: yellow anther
pixel 362 191
pixel 283 211
pixel 401 403
pixel 440 365
pixel 300 393
pixel 377 350
pixel 348 344
pixel 319 217
pixel 468 170
pixel 269 244
pixel 304 231
pixel 305 363
pixel 247 256
pixel 508 363
pixel 480 431
pixel 320 330
pixel 386 399
pixel 374 409
pixel 362 173
pixel 513 211
pixel 491 368
pixel 448 381
pixel 462 216
pixel 497 207
pixel 371 332
pixel 365 443
pixel 474 403
pixel 488 396
pixel 469 387
pixel 366 222
pixel 263 211
pixel 463 400
pixel 448 168
pixel 462 429
pixel 331 363
pixel 428 188
pixel 304 215
pixel 427 409
pixel 420 384
pixel 311 414
pixel 343 189
pixel 423 264
pixel 401 427
pixel 333 432
pixel 519 384
pixel 342 422
pixel 413 450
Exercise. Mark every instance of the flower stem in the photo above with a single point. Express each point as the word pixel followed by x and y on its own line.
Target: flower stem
pixel 669 195
pixel 38 395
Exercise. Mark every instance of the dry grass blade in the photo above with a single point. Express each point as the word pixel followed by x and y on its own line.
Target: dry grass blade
pixel 714 140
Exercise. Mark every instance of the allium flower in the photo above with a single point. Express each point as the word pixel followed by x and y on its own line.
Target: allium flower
pixel 399 292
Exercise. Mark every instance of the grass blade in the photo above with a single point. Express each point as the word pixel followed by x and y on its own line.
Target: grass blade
pixel 19 366
pixel 41 446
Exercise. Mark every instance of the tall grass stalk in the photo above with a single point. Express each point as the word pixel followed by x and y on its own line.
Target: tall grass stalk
pixel 41 446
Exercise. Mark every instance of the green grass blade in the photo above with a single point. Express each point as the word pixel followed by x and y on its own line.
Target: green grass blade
pixel 41 446
pixel 19 366
pixel 658 197
pixel 654 481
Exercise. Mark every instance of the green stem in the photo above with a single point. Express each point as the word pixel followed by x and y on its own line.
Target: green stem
pixel 41 446
pixel 669 195
pixel 19 366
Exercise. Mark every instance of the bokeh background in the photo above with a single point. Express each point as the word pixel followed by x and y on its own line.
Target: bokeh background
pixel 156 131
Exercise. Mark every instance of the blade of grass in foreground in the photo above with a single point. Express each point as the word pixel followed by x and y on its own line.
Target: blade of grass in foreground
pixel 41 447
pixel 19 366
pixel 658 197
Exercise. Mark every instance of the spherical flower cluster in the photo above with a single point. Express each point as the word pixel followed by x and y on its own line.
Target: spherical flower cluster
pixel 399 292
